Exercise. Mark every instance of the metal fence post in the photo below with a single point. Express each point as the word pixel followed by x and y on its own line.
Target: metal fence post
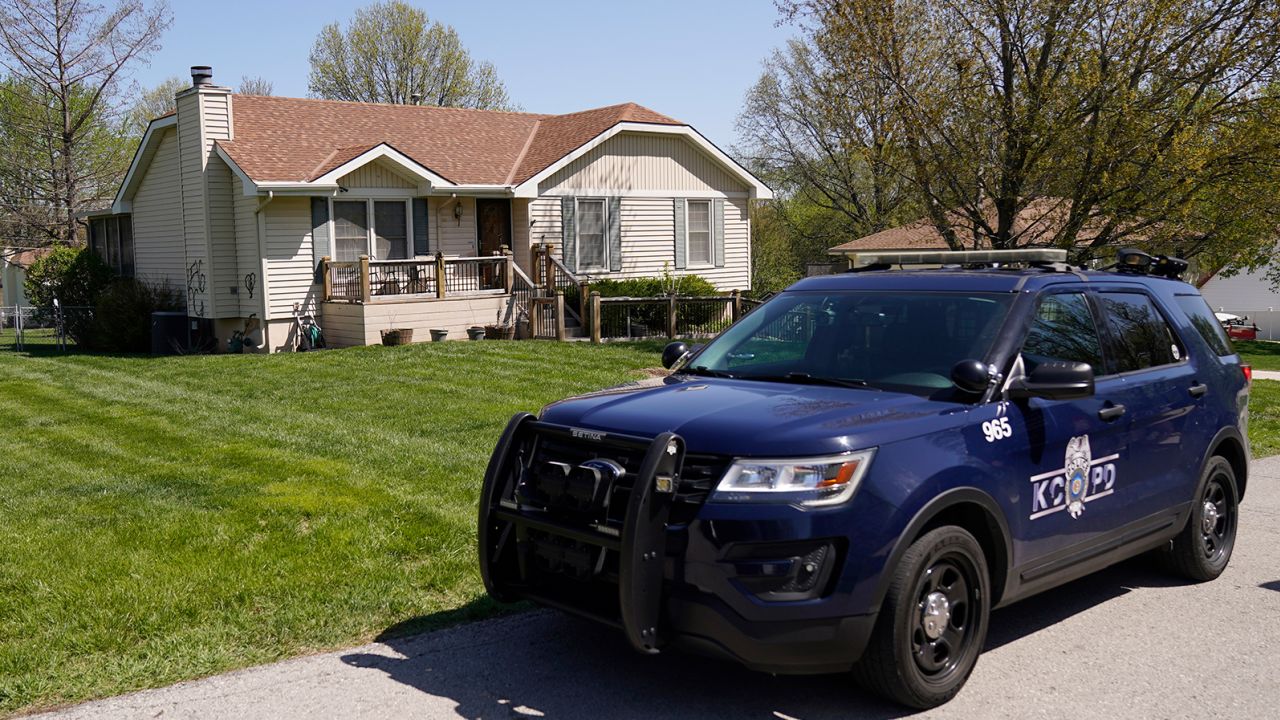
pixel 671 316
pixel 595 317
pixel 560 329
pixel 366 292
pixel 440 276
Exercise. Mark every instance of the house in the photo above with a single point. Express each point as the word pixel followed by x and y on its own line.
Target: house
pixel 1248 294
pixel 13 274
pixel 378 216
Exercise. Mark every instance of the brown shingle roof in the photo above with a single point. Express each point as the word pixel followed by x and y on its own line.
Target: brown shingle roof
pixel 297 140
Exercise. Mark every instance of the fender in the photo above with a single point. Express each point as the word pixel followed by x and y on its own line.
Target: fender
pixel 931 510
pixel 1228 432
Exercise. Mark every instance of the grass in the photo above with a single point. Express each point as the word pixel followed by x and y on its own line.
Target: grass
pixel 1264 418
pixel 1262 355
pixel 169 518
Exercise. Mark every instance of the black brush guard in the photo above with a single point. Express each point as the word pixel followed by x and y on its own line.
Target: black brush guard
pixel 519 540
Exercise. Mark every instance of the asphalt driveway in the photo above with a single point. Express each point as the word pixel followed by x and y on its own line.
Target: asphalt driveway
pixel 1127 642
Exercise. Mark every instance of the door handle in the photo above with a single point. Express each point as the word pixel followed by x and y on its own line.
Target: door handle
pixel 1198 389
pixel 1111 412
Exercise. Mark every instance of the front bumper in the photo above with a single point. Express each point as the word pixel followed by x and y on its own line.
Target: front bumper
pixel 623 551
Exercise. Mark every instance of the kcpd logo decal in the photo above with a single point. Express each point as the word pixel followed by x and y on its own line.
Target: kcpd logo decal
pixel 1082 479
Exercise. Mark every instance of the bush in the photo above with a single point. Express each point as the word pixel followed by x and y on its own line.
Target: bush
pixel 655 315
pixel 122 314
pixel 74 277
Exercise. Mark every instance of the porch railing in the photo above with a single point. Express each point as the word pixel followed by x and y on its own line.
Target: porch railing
pixel 365 280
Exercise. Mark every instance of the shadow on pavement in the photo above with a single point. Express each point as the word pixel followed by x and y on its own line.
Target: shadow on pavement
pixel 545 664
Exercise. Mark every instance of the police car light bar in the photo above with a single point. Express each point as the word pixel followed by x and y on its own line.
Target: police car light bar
pixel 957 257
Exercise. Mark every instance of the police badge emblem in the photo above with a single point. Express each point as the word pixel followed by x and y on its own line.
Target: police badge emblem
pixel 1076 466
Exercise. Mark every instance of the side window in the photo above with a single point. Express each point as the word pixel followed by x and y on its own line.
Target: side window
pixel 1143 338
pixel 1063 329
pixel 1203 320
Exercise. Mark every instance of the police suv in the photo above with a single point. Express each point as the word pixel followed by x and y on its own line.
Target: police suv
pixel 856 472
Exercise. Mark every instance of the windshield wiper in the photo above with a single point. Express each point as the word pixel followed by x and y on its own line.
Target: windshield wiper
pixel 801 378
pixel 704 370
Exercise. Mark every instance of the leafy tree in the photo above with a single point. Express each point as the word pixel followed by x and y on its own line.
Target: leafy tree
pixel 391 52
pixel 255 86
pixel 1125 123
pixel 74 277
pixel 66 61
pixel 153 103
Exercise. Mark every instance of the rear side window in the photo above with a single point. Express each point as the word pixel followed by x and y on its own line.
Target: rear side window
pixel 1202 319
pixel 1143 339
pixel 1063 329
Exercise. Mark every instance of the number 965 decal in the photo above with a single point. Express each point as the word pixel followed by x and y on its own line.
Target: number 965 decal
pixel 997 429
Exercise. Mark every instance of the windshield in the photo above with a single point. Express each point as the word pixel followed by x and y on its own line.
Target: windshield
pixel 905 341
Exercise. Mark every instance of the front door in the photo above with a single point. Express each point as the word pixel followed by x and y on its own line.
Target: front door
pixel 493 225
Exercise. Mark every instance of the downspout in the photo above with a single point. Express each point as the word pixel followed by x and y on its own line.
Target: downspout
pixel 259 223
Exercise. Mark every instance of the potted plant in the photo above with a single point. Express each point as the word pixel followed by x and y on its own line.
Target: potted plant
pixel 477 332
pixel 498 331
pixel 439 335
pixel 397 336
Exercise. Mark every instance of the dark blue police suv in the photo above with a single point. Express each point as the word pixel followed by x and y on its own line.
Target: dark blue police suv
pixel 856 472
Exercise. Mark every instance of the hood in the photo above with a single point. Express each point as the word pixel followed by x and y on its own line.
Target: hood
pixel 754 418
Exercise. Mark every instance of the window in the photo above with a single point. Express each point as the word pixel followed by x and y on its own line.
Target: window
pixel 592 254
pixel 698 228
pixel 1203 320
pixel 386 238
pixel 1142 337
pixel 1063 329
pixel 391 230
pixel 111 239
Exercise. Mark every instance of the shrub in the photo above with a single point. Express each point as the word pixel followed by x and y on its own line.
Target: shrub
pixel 122 315
pixel 654 315
pixel 74 277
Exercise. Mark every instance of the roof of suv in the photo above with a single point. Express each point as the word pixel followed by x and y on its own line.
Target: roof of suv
pixel 963 280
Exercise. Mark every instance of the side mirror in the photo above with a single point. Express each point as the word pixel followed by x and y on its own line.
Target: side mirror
pixel 673 353
pixel 971 376
pixel 1054 380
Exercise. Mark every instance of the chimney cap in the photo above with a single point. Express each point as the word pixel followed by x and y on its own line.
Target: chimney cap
pixel 201 75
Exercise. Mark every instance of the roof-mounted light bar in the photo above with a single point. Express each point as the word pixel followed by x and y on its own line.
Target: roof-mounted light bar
pixel 957 257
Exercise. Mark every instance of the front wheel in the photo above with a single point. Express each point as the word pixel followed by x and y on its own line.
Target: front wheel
pixel 1203 548
pixel 933 622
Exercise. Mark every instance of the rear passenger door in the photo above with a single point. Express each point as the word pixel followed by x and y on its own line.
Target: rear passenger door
pixel 1156 392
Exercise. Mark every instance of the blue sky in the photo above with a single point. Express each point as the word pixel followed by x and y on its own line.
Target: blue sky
pixel 693 60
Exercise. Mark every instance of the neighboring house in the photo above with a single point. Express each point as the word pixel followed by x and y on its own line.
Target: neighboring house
pixel 238 200
pixel 13 274
pixel 1248 294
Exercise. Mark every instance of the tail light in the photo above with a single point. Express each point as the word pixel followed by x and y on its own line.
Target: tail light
pixel 1248 373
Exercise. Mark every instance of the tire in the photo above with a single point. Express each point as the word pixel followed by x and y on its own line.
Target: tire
pixel 911 658
pixel 1202 550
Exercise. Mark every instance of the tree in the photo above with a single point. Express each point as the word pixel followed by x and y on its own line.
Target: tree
pixel 156 102
pixel 392 53
pixel 255 86
pixel 1127 123
pixel 67 60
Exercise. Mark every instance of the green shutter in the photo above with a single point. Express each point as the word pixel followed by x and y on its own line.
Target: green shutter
pixel 421 241
pixel 615 234
pixel 717 231
pixel 678 209
pixel 569 233
pixel 320 246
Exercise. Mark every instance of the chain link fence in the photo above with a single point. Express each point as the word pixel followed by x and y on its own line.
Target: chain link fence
pixel 27 328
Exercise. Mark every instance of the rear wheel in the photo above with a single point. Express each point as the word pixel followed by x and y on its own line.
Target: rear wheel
pixel 1203 548
pixel 933 622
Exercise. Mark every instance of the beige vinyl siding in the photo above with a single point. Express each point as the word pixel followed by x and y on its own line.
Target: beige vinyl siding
pixel 648 240
pixel 520 231
pixel 248 256
pixel 159 246
pixel 196 268
pixel 226 274
pixel 643 162
pixel 453 237
pixel 347 324
pixel 375 175
pixel 290 274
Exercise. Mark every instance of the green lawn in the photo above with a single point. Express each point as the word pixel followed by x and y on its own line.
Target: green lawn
pixel 167 518
pixel 1262 355
pixel 1264 418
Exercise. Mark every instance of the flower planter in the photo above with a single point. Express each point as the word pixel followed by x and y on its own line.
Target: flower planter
pixel 397 336
pixel 499 332
pixel 476 333
pixel 439 335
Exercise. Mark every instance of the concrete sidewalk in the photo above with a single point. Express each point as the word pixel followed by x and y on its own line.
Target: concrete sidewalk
pixel 1128 642
pixel 1266 375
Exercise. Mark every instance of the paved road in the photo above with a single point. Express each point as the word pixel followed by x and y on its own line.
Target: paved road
pixel 1127 642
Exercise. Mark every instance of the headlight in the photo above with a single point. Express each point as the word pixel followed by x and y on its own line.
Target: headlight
pixel 812 482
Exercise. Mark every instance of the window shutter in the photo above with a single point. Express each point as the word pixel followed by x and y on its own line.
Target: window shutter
pixel 569 233
pixel 615 234
pixel 678 208
pixel 717 231
pixel 421 240
pixel 320 245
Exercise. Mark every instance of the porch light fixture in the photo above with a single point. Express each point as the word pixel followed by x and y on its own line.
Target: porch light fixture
pixel 457 211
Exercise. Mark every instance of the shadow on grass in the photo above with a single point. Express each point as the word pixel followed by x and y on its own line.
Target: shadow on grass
pixel 544 663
